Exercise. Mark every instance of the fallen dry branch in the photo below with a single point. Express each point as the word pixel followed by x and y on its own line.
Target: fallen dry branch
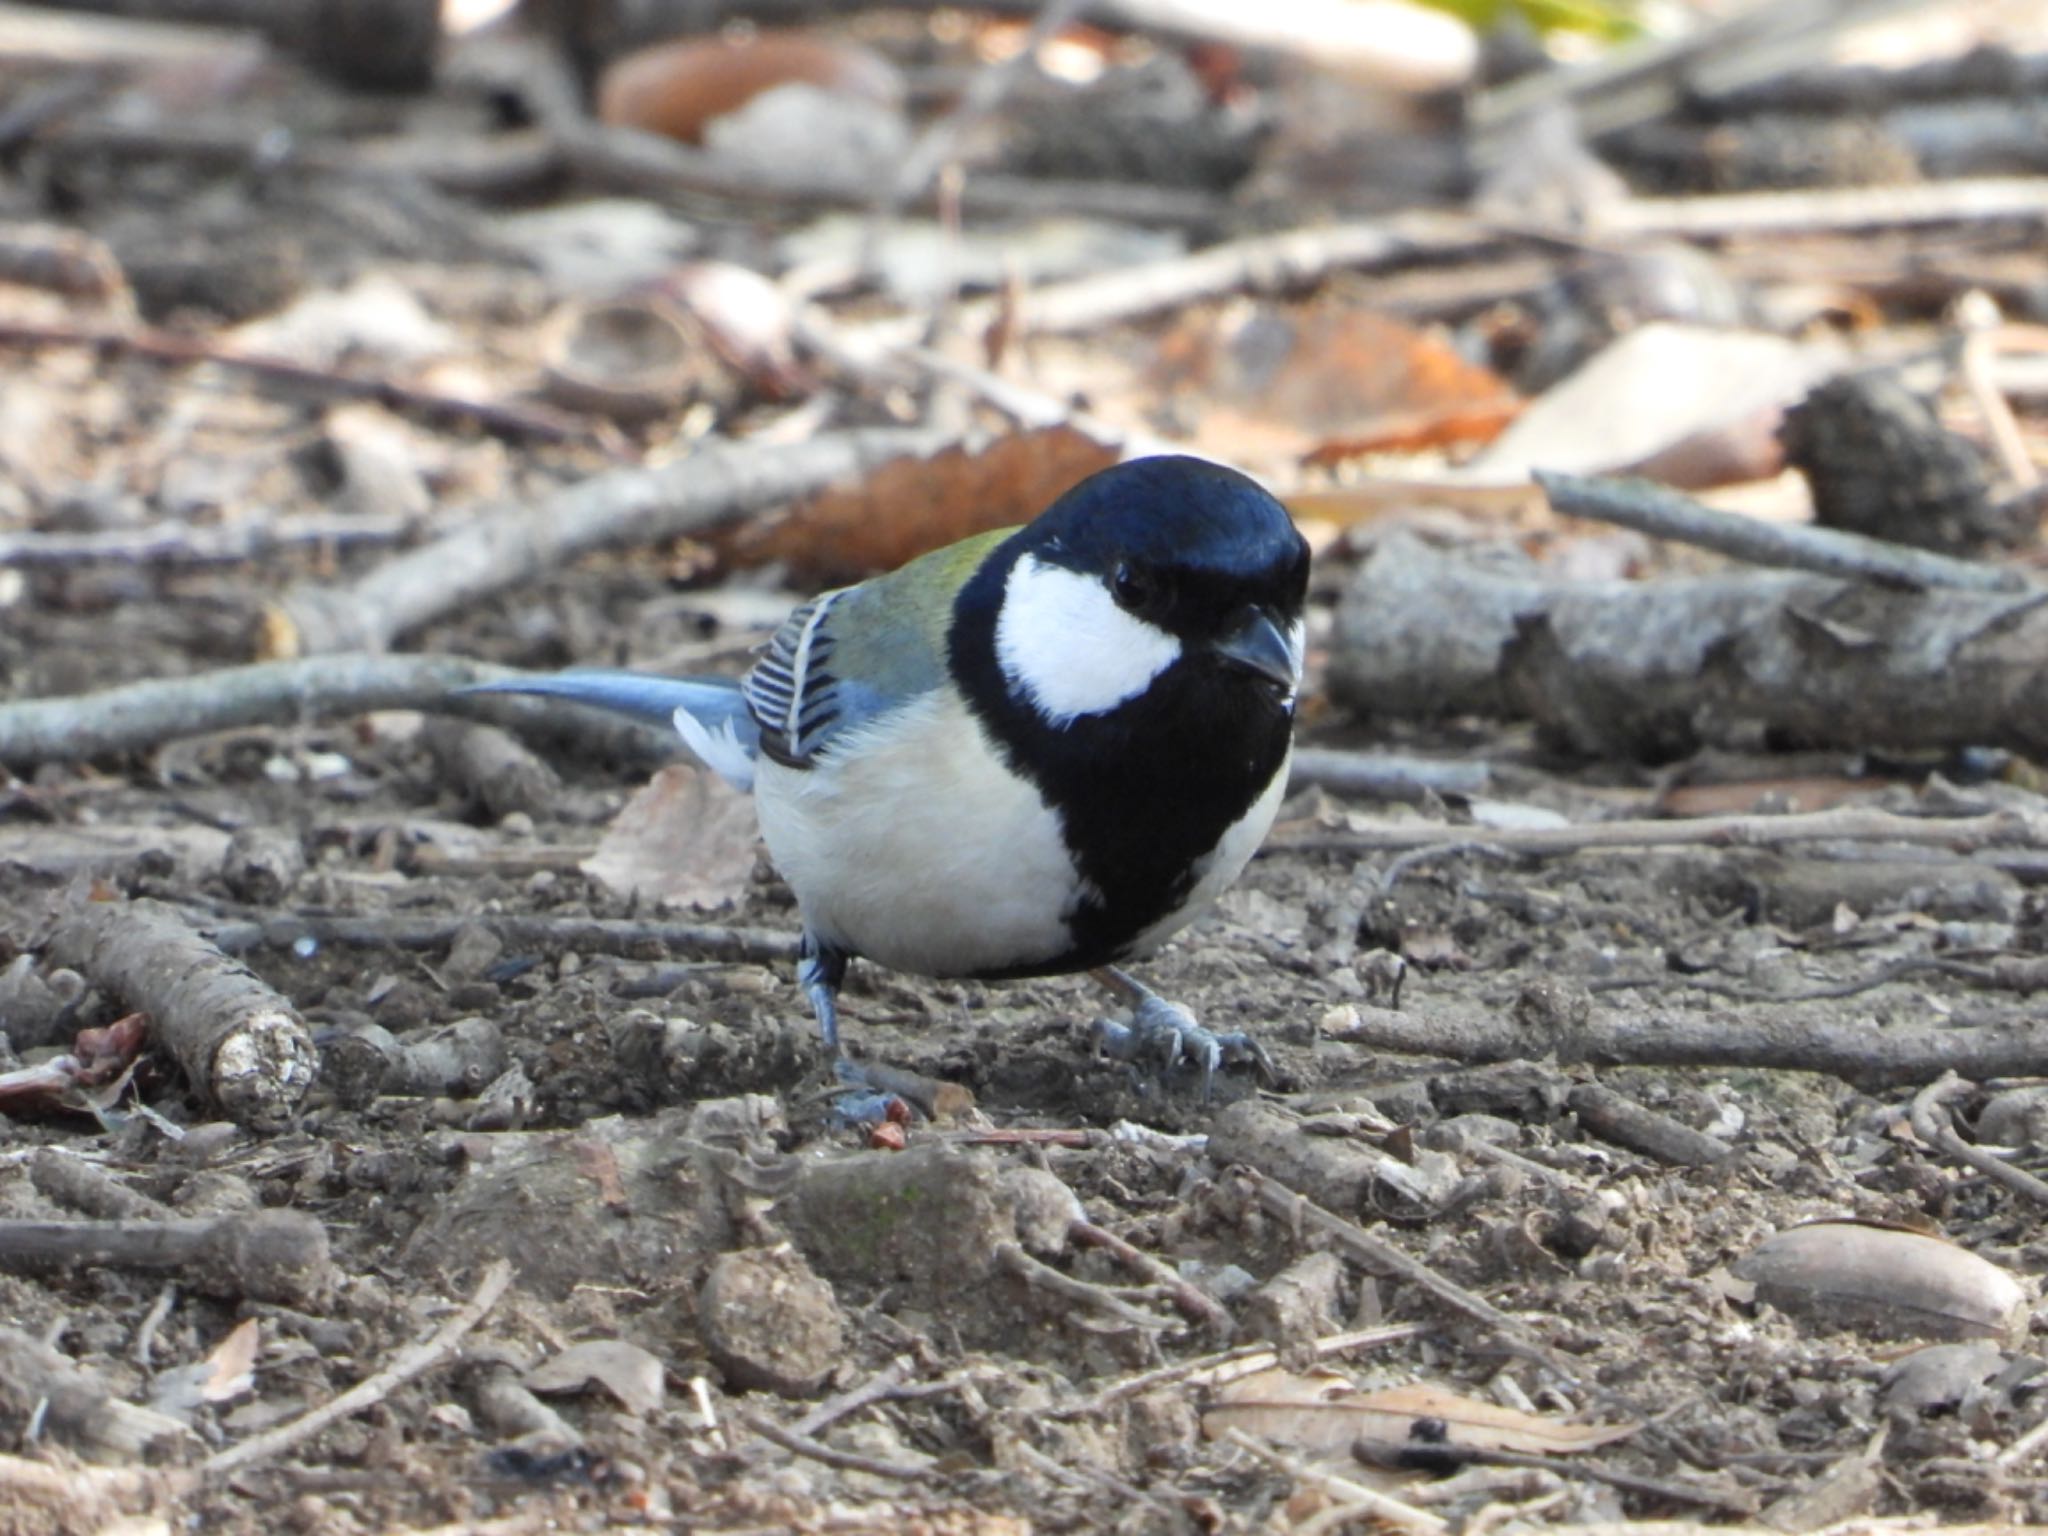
pixel 1852 1049
pixel 240 1043
pixel 139 716
pixel 275 1256
pixel 713 485
pixel 1656 669
pixel 1847 824
pixel 1933 1124
pixel 1665 514
pixel 410 1362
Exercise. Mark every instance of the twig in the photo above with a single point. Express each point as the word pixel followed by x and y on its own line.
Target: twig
pixel 1265 264
pixel 593 935
pixel 831 1456
pixel 1230 1364
pixel 413 1361
pixel 1932 1124
pixel 1042 1276
pixel 1664 514
pixel 1195 1304
pixel 239 1040
pixel 1383 1258
pixel 706 488
pixel 1963 201
pixel 181 543
pixel 1850 1049
pixel 1975 365
pixel 504 418
pixel 139 716
pixel 1847 824
pixel 1615 1118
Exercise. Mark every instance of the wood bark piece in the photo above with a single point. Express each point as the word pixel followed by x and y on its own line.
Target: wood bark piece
pixel 493 767
pixel 276 1256
pixel 1657 669
pixel 714 485
pixel 241 1044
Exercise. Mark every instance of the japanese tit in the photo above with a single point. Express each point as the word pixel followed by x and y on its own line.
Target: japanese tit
pixel 1037 751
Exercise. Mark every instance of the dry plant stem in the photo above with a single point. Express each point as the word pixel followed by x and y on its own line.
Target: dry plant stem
pixel 1657 668
pixel 1931 1123
pixel 1665 514
pixel 536 423
pixel 139 716
pixel 817 1450
pixel 1196 1305
pixel 1381 1507
pixel 590 935
pixel 1845 824
pixel 410 1362
pixel 1852 1051
pixel 708 487
pixel 239 1041
pixel 277 1256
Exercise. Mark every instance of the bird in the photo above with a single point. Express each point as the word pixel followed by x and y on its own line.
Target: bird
pixel 1039 751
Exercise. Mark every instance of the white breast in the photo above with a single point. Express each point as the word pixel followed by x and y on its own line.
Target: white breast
pixel 939 885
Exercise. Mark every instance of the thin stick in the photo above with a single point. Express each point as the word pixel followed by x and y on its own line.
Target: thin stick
pixel 1664 514
pixel 1849 824
pixel 180 543
pixel 1195 1304
pixel 410 1362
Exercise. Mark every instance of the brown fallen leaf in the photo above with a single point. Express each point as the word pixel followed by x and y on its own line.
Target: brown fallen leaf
pixel 1286 379
pixel 1461 426
pixel 91 1075
pixel 1319 1412
pixel 910 506
pixel 687 837
pixel 627 1371
pixel 675 88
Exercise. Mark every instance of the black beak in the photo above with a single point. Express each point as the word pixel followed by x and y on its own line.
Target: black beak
pixel 1257 644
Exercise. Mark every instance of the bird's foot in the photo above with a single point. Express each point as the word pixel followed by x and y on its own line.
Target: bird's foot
pixel 1167 1033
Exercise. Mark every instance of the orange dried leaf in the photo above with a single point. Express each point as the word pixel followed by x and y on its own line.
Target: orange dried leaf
pixel 675 88
pixel 910 506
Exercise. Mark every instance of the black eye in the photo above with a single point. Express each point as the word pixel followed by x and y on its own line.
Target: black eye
pixel 1133 588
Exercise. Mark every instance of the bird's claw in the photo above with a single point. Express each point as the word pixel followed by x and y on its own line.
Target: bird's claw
pixel 1168 1033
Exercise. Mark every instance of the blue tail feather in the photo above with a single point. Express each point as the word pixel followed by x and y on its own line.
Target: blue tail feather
pixel 709 713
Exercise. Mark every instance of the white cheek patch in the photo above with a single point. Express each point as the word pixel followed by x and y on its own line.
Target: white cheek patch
pixel 1067 647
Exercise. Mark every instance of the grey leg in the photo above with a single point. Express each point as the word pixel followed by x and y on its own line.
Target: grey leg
pixel 1167 1032
pixel 820 969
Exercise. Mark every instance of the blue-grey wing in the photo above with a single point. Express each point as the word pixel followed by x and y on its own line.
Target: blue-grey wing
pixel 836 664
